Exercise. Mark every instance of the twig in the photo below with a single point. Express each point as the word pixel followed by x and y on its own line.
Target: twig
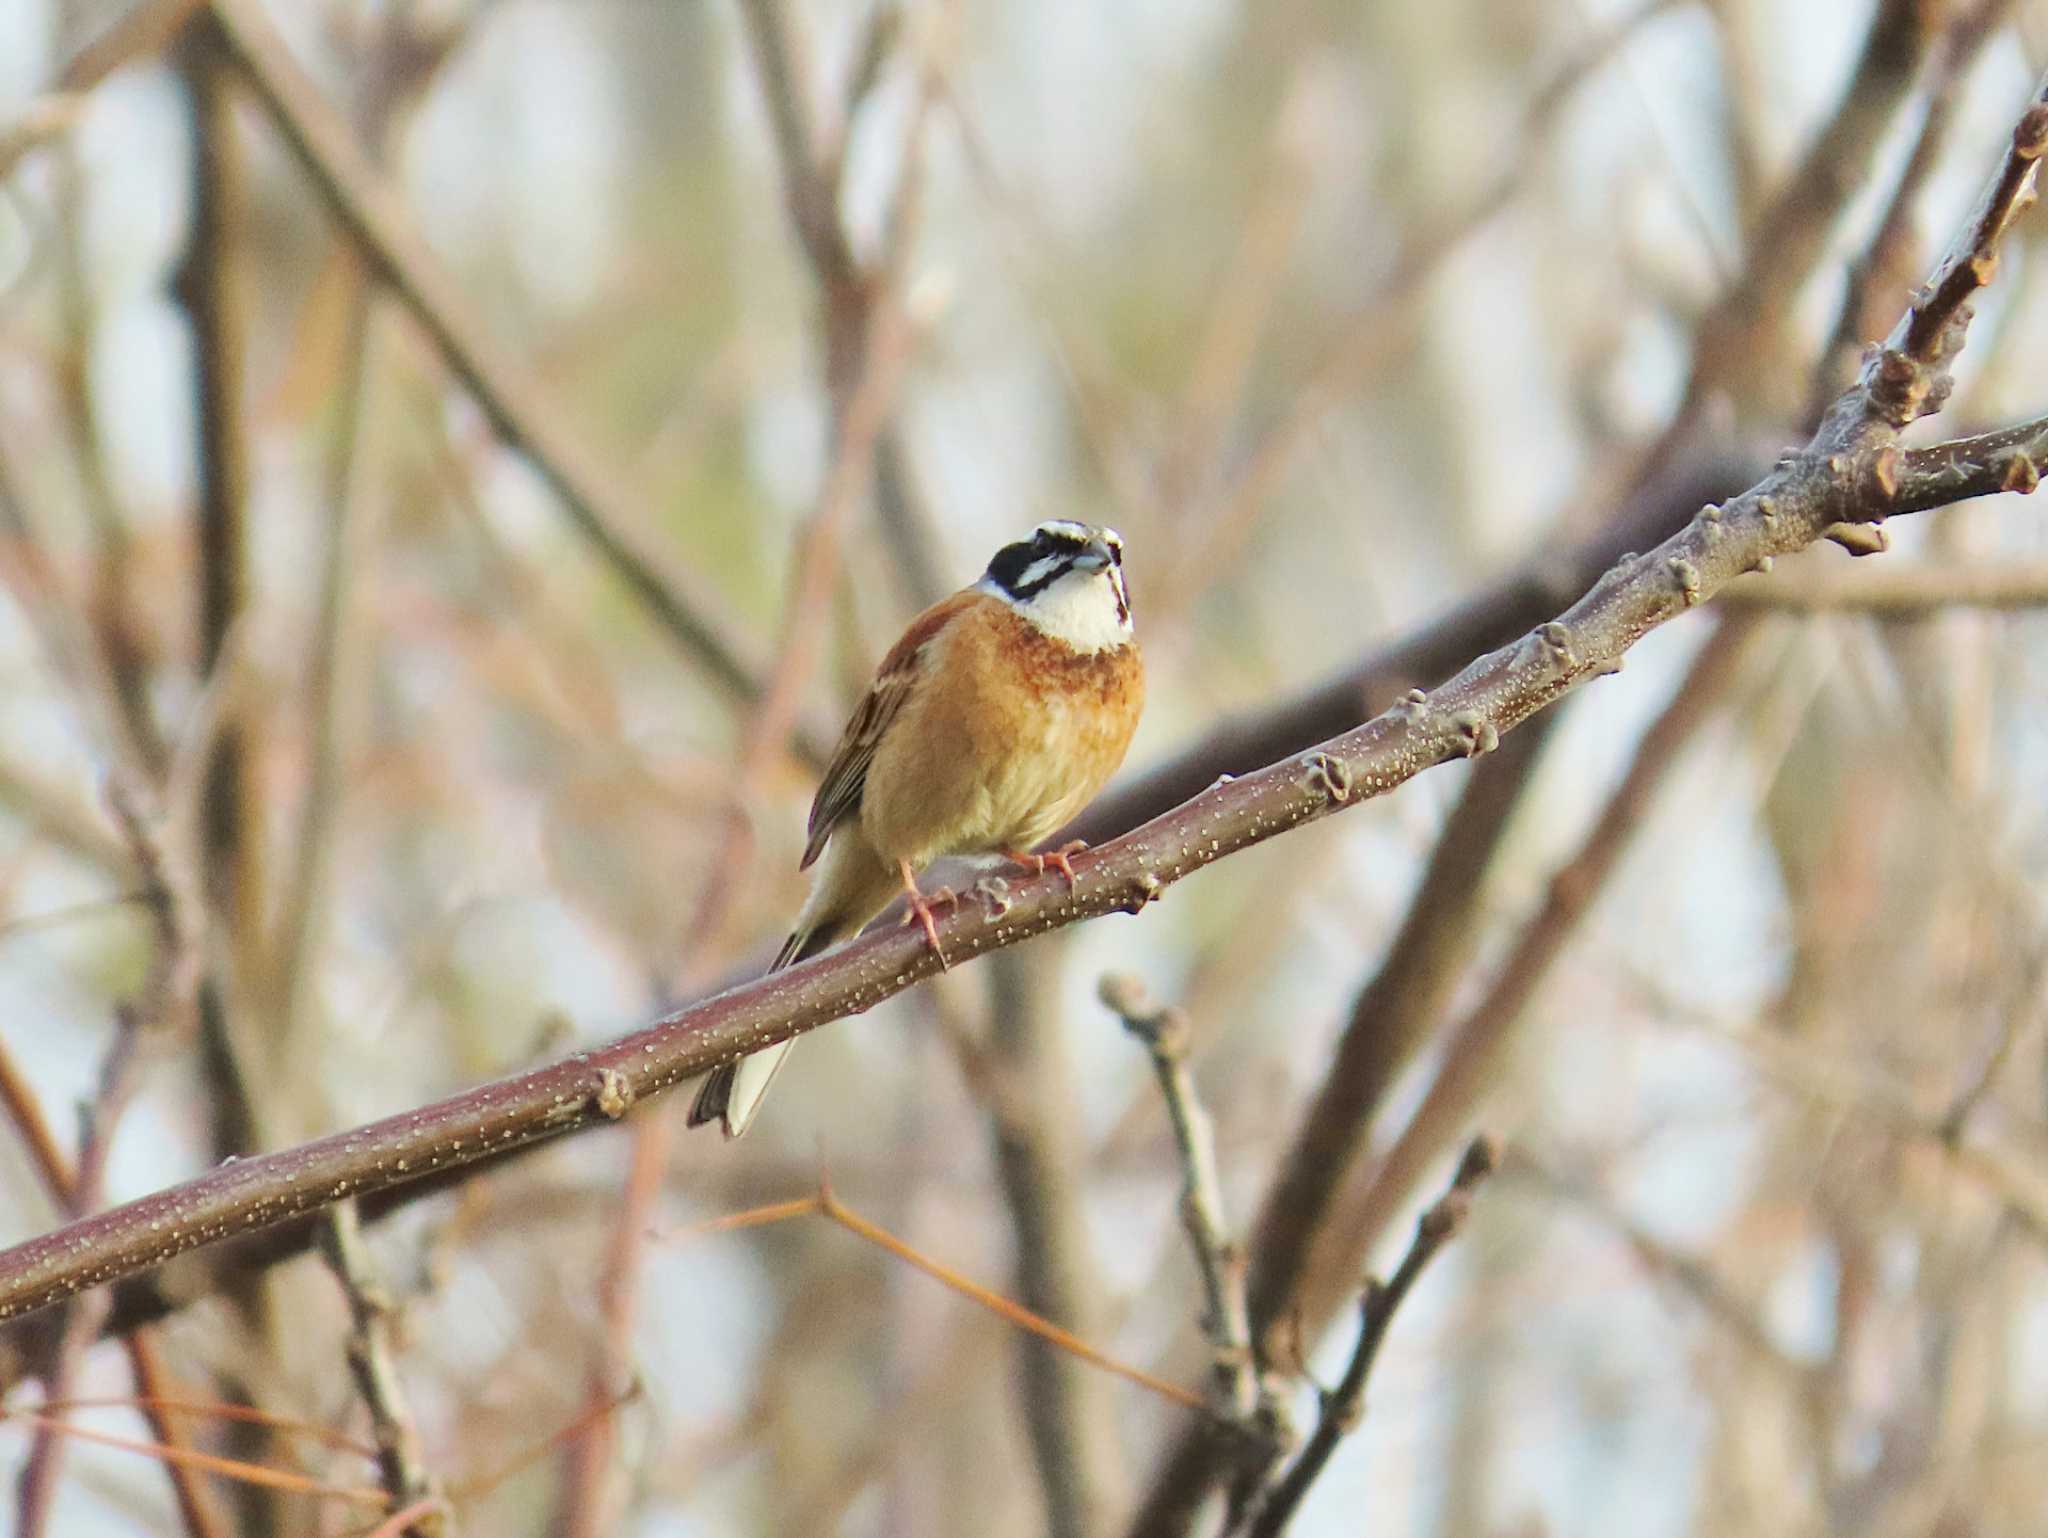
pixel 824 1203
pixel 404 66
pixel 186 1457
pixel 1256 1429
pixel 371 1358
pixel 1738 335
pixel 1163 1030
pixel 514 401
pixel 209 782
pixel 165 997
pixel 1344 1408
pixel 867 337
pixel 60 1180
pixel 1850 472
pixel 1883 267
pixel 40 1471
pixel 210 287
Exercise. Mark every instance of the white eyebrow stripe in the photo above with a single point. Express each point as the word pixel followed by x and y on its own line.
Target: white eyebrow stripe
pixel 1067 527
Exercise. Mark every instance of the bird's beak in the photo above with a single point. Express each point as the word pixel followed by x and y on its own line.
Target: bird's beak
pixel 1097 557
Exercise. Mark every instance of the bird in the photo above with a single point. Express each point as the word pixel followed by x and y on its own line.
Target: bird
pixel 996 717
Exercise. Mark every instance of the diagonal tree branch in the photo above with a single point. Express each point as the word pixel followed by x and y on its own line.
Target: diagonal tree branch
pixel 1852 472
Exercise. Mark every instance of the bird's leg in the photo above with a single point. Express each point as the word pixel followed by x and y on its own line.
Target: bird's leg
pixel 1059 860
pixel 921 908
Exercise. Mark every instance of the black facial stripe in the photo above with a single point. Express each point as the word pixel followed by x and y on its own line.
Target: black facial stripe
pixel 1046 545
pixel 1011 563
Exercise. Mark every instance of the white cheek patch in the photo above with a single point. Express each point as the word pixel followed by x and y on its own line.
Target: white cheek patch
pixel 1086 610
pixel 1040 569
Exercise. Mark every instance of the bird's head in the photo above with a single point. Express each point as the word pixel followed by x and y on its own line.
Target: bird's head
pixel 1067 579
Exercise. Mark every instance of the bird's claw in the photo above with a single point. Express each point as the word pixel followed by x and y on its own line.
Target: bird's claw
pixel 1059 859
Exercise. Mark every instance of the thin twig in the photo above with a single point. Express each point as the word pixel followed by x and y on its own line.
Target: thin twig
pixel 1163 1030
pixel 164 998
pixel 1344 1407
pixel 825 1204
pixel 1883 269
pixel 372 1360
pixel 1255 1429
pixel 246 1473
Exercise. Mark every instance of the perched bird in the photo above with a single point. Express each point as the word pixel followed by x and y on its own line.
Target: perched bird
pixel 994 719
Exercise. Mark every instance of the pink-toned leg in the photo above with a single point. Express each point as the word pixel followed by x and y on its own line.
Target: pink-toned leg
pixel 921 908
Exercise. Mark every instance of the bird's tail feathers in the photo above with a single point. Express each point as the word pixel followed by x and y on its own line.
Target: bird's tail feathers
pixel 803 944
pixel 732 1092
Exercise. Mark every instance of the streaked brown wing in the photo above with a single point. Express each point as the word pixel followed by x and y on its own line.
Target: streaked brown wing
pixel 846 776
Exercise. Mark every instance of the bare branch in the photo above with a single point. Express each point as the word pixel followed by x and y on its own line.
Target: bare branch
pixel 1344 1407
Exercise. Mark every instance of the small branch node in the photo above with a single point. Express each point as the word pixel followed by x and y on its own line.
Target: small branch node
pixel 992 893
pixel 615 1094
pixel 1476 734
pixel 2030 134
pixel 1557 640
pixel 2021 475
pixel 1687 576
pixel 1330 775
pixel 1859 539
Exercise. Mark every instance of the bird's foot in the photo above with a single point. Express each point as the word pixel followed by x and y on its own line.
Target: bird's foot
pixel 1059 859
